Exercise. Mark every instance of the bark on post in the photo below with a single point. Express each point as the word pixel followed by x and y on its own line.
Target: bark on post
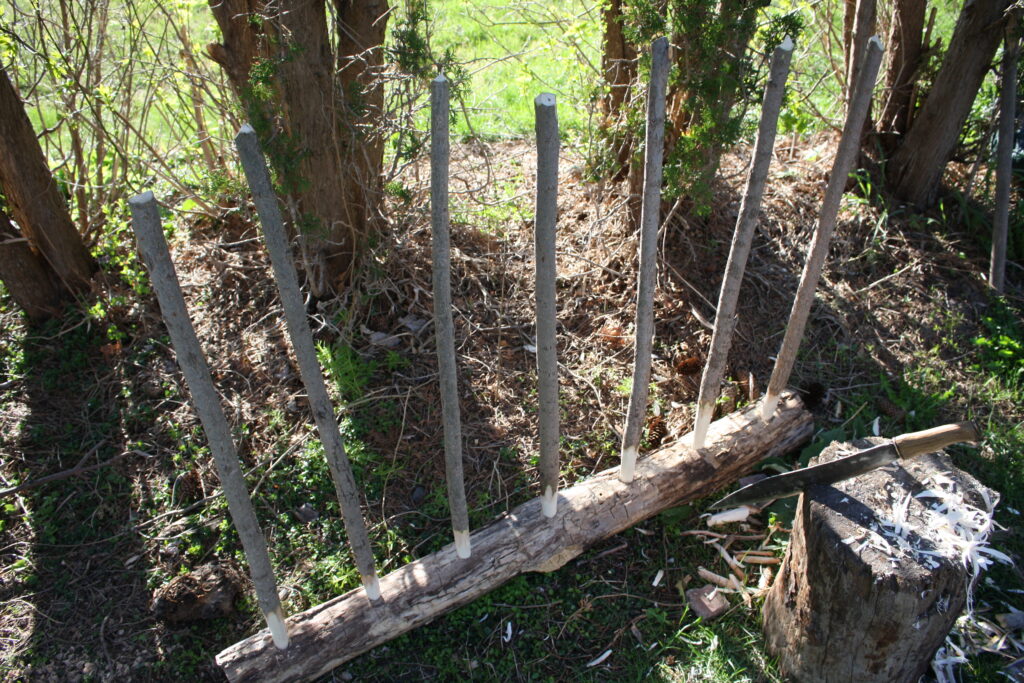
pixel 647 279
pixel 525 540
pixel 849 146
pixel 1004 160
pixel 544 223
pixel 853 599
pixel 750 206
pixel 150 235
pixel 287 279
pixel 444 327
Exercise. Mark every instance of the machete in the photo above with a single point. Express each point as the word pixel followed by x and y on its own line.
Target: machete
pixel 901 447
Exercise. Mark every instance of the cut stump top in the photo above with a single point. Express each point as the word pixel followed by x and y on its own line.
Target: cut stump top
pixel 883 516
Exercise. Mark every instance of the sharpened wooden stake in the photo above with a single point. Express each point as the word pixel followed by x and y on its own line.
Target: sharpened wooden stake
pixel 650 219
pixel 1004 160
pixel 444 327
pixel 849 145
pixel 150 235
pixel 545 219
pixel 725 319
pixel 258 175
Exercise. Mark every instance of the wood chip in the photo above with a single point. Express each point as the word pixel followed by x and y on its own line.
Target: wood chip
pixel 707 602
pixel 714 578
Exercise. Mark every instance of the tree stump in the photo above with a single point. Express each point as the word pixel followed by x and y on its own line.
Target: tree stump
pixel 871 584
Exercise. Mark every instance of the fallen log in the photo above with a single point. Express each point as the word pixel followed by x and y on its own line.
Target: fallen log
pixel 327 635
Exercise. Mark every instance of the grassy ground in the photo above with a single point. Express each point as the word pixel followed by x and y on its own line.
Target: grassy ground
pixel 515 51
pixel 904 332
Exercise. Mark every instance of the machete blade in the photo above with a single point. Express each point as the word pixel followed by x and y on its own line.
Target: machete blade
pixel 792 483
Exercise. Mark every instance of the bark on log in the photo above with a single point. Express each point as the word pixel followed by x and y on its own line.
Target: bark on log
pixel 843 610
pixel 326 636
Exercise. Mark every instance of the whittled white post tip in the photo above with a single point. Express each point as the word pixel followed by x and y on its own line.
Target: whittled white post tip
pixel 142 198
pixel 768 407
pixel 440 79
pixel 372 587
pixel 462 544
pixel 278 630
pixel 787 44
pixel 700 427
pixel 549 503
pixel 739 514
pixel 876 41
pixel 246 129
pixel 628 467
pixel 545 99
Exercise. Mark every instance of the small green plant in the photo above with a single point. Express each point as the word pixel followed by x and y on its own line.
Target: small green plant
pixel 1001 348
pixel 349 371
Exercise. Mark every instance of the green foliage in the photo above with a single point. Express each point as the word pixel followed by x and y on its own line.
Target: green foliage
pixel 710 75
pixel 347 369
pixel 1001 348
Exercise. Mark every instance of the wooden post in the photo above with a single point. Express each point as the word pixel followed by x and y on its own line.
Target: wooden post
pixel 545 219
pixel 525 540
pixel 444 327
pixel 650 220
pixel 1004 159
pixel 871 583
pixel 150 235
pixel 305 353
pixel 849 146
pixel 725 318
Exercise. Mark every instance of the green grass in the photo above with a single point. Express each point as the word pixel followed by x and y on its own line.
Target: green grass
pixel 511 61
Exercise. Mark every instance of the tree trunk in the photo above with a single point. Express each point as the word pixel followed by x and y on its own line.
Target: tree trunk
pixel 915 169
pixel 618 59
pixel 863 29
pixel 327 635
pixel 849 18
pixel 904 52
pixel 34 200
pixel 314 107
pixel 29 280
pixel 856 600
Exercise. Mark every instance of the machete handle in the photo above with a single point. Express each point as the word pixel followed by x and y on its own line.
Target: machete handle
pixel 935 439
